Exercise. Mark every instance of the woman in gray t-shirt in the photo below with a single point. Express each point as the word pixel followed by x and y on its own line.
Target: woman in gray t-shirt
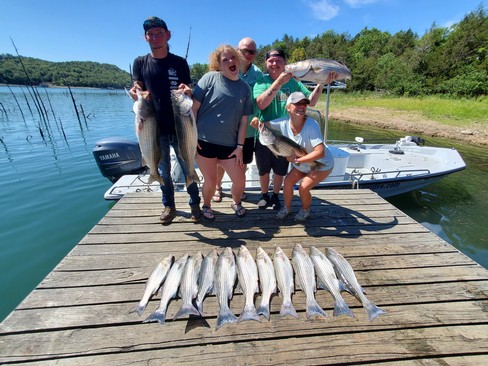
pixel 221 104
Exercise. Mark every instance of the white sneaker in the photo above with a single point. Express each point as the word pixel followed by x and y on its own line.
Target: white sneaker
pixel 283 213
pixel 302 215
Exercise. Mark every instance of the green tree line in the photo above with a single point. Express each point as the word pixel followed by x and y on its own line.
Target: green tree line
pixel 445 60
pixel 73 73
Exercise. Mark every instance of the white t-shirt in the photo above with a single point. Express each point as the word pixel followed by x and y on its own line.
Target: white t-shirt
pixel 309 137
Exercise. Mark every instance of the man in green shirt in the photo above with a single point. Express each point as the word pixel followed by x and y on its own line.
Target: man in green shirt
pixel 271 92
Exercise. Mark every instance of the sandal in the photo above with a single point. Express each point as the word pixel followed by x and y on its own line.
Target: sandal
pixel 217 197
pixel 207 213
pixel 238 209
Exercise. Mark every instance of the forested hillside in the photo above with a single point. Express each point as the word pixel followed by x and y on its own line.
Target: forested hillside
pixel 74 73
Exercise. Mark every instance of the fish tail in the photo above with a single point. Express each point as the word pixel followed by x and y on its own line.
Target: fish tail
pixel 139 309
pixel 226 316
pixel 314 309
pixel 373 311
pixel 249 313
pixel 186 309
pixel 199 305
pixel 155 178
pixel 288 309
pixel 158 316
pixel 263 310
pixel 341 308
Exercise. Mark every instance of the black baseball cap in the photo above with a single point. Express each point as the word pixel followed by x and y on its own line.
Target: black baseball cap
pixel 154 22
pixel 275 52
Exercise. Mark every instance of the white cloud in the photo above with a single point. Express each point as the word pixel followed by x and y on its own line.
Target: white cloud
pixel 323 9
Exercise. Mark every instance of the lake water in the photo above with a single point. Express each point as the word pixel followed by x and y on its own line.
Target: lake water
pixel 52 190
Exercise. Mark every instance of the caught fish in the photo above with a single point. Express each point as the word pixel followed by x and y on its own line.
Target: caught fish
pixel 147 132
pixel 326 278
pixel 154 282
pixel 186 131
pixel 284 278
pixel 189 287
pixel 317 70
pixel 267 281
pixel 306 279
pixel 225 278
pixel 247 273
pixel 206 278
pixel 169 290
pixel 345 273
pixel 281 145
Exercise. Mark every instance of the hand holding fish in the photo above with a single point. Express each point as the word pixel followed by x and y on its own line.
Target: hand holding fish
pixel 146 95
pixel 185 89
pixel 255 123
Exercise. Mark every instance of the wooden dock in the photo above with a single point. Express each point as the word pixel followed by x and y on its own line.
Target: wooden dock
pixel 436 298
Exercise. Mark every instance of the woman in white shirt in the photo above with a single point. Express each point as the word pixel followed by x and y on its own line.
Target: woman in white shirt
pixel 305 131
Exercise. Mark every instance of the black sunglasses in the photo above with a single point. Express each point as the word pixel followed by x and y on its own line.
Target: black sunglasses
pixel 249 52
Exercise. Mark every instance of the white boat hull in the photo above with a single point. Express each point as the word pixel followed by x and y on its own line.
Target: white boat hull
pixel 387 169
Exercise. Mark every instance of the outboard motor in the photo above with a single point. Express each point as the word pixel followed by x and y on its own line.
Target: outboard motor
pixel 118 156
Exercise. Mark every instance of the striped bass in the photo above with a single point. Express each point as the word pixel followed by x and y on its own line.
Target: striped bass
pixel 305 277
pixel 188 287
pixel 326 278
pixel 225 278
pixel 147 132
pixel 186 131
pixel 284 278
pixel 247 273
pixel 346 274
pixel 170 288
pixel 281 145
pixel 154 282
pixel 317 70
pixel 206 278
pixel 267 281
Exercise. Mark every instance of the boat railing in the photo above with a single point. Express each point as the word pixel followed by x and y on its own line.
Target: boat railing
pixel 373 174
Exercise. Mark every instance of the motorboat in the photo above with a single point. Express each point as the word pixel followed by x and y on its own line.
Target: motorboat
pixel 389 168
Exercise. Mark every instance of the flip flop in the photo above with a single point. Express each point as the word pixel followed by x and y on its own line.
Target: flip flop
pixel 238 209
pixel 207 213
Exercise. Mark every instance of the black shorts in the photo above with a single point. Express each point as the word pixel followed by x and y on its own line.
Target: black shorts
pixel 266 160
pixel 211 151
pixel 248 150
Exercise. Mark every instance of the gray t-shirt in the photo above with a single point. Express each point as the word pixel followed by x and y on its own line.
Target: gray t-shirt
pixel 224 102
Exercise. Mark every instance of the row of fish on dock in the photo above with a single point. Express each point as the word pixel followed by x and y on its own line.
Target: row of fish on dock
pixel 195 277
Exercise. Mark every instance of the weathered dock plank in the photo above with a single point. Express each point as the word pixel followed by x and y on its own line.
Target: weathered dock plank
pixel 435 297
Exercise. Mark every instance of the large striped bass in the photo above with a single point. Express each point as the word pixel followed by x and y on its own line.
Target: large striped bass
pixel 326 278
pixel 346 274
pixel 186 131
pixel 284 278
pixel 225 278
pixel 188 287
pixel 206 278
pixel 247 272
pixel 169 290
pixel 147 132
pixel 317 70
pixel 267 281
pixel 305 277
pixel 281 145
pixel 154 282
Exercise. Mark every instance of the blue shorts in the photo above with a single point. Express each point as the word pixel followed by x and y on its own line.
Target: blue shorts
pixel 212 151
pixel 266 160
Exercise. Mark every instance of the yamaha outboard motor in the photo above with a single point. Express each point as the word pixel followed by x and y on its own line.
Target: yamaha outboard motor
pixel 118 156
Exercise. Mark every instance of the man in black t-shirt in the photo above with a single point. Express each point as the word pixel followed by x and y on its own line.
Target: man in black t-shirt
pixel 154 75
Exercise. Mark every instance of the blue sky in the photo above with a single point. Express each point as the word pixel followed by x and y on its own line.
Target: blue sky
pixel 110 31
